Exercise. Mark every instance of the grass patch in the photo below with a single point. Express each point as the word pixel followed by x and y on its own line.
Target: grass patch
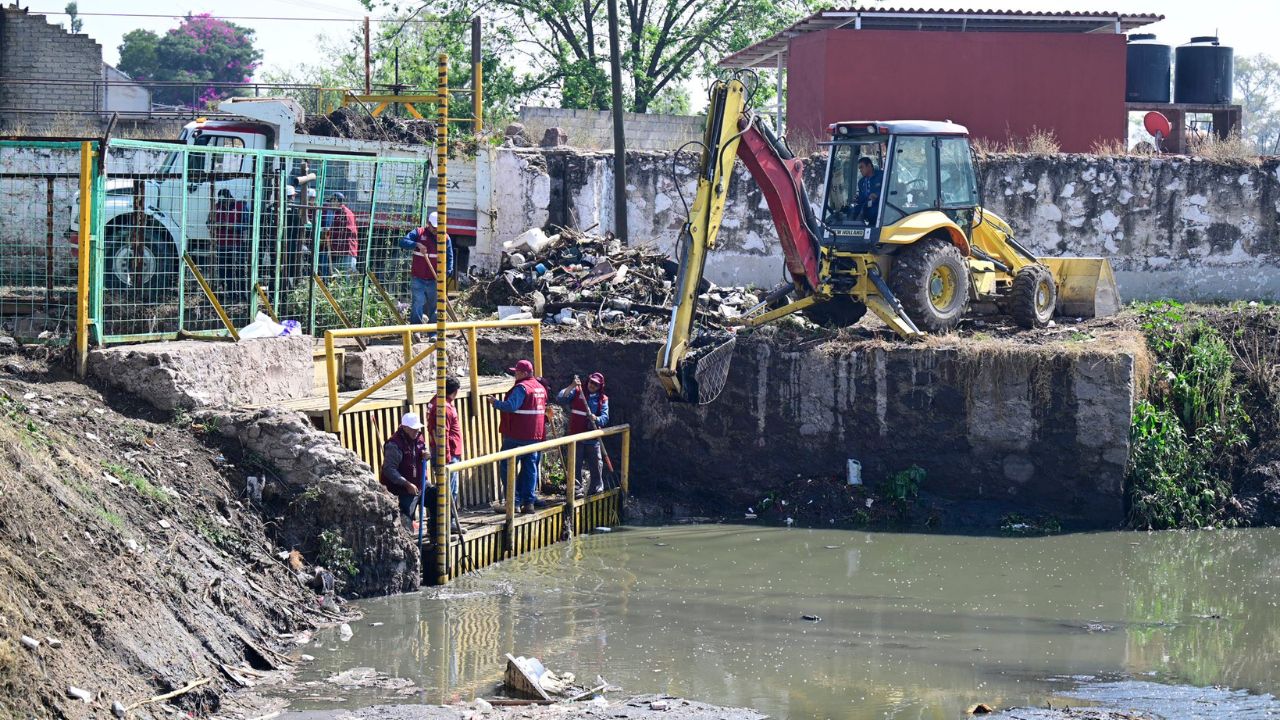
pixel 136 481
pixel 111 518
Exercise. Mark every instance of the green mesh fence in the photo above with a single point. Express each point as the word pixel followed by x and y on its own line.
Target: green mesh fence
pixel 257 226
pixel 39 187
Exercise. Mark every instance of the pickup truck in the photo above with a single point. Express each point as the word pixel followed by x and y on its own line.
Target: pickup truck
pixel 141 211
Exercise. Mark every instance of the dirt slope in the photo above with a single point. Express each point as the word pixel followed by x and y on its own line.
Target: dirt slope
pixel 127 551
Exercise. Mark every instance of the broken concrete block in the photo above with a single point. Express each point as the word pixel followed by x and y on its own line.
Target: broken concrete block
pixel 554 137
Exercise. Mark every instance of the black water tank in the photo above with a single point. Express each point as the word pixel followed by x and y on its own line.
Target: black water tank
pixel 1204 72
pixel 1148 70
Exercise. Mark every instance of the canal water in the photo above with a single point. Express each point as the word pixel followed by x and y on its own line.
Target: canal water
pixel 909 625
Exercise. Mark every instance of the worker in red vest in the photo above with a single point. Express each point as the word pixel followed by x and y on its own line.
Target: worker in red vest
pixel 588 410
pixel 422 281
pixel 404 467
pixel 452 429
pixel 524 422
pixel 342 237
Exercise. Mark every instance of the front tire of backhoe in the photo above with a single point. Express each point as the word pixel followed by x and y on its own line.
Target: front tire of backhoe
pixel 931 280
pixel 1033 297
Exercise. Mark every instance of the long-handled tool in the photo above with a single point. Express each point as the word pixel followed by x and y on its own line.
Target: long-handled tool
pixel 591 422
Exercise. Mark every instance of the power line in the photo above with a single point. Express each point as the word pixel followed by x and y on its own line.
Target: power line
pixel 246 17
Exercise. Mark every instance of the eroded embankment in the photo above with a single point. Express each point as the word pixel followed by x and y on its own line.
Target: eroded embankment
pixel 1036 428
pixel 129 552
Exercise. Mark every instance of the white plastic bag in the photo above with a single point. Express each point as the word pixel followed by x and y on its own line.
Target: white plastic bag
pixel 264 327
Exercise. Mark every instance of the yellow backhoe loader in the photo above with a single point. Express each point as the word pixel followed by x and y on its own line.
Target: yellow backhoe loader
pixel 901 231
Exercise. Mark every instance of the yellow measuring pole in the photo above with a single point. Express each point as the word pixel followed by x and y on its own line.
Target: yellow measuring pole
pixel 443 501
pixel 82 272
pixel 211 295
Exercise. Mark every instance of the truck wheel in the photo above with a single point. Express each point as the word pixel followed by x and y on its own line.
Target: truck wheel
pixel 931 280
pixel 1034 296
pixel 154 268
pixel 840 311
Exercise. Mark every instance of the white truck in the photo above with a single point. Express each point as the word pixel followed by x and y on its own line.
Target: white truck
pixel 142 210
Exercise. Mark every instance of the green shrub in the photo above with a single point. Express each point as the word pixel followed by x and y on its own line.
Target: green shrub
pixel 1183 438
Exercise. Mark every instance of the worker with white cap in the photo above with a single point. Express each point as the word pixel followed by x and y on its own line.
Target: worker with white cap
pixel 422 283
pixel 404 466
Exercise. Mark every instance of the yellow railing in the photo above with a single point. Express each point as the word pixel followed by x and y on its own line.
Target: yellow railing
pixel 411 360
pixel 570 473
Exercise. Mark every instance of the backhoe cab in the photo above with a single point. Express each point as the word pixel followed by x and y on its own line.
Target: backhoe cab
pixel 901 232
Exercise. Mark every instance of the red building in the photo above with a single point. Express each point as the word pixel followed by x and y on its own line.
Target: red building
pixel 1003 74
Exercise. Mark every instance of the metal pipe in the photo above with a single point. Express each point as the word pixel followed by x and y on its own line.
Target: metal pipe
pixel 212 296
pixel 619 132
pixel 539 447
pixel 537 349
pixel 82 271
pixel 331 378
pixel 511 508
pixel 626 461
pixel 383 382
pixel 477 78
pixel 473 369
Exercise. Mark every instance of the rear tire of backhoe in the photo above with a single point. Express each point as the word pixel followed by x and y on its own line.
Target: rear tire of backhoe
pixel 838 312
pixel 1033 297
pixel 931 280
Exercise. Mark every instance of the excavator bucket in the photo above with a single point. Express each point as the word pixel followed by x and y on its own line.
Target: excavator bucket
pixel 1086 286
pixel 704 371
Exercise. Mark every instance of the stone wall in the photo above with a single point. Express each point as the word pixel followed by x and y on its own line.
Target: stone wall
pixel 32 48
pixel 1174 227
pixel 1033 429
pixel 594 128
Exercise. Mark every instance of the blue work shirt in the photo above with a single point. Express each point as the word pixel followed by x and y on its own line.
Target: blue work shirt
pixel 868 186
pixel 597 408
pixel 513 402
pixel 410 242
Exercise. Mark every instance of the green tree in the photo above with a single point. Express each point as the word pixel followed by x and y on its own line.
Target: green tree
pixel 201 51
pixel 1257 80
pixel 663 42
pixel 73 13
pixel 416 46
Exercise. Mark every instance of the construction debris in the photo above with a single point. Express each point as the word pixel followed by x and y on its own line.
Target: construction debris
pixel 575 278
pixel 357 124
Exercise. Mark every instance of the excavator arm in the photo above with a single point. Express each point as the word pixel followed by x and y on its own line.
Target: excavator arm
pixel 693 366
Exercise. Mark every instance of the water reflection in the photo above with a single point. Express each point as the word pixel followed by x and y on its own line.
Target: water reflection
pixel 915 626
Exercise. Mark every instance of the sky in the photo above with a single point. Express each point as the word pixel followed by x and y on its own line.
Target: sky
pixel 1249 27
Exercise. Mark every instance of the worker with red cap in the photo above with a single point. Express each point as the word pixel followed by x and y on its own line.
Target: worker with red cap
pixel 524 422
pixel 588 410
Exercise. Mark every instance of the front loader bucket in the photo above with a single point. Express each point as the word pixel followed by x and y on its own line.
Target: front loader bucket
pixel 1086 286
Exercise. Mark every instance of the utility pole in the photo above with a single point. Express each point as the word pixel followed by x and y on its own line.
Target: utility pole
pixel 619 136
pixel 368 84
pixel 477 81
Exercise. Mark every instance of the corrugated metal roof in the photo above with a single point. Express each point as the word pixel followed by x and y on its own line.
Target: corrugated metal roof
pixel 767 53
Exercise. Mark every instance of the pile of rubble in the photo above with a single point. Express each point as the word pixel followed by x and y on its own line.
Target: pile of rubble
pixel 578 279
pixel 358 124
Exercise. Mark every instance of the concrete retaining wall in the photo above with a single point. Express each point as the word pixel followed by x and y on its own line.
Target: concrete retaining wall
pixel 1174 227
pixel 1038 429
pixel 196 374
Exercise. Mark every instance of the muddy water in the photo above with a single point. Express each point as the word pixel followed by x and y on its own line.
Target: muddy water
pixel 911 626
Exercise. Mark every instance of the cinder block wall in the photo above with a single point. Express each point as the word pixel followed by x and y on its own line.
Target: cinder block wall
pixel 593 129
pixel 32 48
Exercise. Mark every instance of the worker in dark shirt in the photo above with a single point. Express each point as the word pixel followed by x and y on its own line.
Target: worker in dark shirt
pixel 867 203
